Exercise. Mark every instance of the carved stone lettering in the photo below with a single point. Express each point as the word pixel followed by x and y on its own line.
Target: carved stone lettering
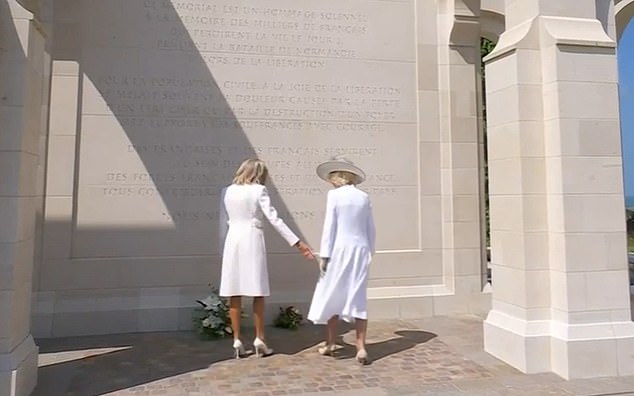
pixel 176 94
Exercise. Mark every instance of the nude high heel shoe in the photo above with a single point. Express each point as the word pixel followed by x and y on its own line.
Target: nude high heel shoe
pixel 260 348
pixel 327 350
pixel 238 348
pixel 362 357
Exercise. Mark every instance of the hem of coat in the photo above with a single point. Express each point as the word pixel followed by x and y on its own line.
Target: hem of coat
pixel 245 295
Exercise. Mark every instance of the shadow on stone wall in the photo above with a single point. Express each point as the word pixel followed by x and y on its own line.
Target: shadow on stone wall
pixel 166 97
pixel 148 94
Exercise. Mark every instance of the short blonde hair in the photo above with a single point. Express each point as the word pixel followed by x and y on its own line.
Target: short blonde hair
pixel 251 171
pixel 342 178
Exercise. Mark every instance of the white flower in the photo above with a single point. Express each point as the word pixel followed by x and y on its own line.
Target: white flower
pixel 206 322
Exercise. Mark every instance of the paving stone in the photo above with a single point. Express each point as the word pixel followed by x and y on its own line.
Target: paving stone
pixel 422 357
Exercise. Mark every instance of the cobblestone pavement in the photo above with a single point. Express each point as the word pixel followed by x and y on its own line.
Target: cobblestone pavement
pixel 436 356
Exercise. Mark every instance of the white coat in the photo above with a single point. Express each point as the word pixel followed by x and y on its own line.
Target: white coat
pixel 348 240
pixel 244 267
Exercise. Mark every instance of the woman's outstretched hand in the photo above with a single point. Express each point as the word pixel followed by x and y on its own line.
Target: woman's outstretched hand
pixel 305 250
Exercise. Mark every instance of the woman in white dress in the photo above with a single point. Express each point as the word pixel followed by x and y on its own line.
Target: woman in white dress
pixel 347 246
pixel 244 204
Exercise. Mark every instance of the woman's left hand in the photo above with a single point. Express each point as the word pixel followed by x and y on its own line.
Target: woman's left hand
pixel 305 250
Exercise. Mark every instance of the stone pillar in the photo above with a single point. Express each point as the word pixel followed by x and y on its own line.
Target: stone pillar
pixel 561 298
pixel 22 60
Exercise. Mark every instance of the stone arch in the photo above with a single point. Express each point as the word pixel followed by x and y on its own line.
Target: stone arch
pixel 491 25
pixel 624 10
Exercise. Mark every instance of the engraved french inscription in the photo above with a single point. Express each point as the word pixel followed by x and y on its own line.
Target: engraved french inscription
pixel 175 94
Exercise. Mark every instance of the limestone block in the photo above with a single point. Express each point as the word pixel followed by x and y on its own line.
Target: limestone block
pixel 584 359
pixel 64 99
pixel 61 168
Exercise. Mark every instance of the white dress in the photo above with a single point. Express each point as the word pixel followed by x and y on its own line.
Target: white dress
pixel 244 267
pixel 348 239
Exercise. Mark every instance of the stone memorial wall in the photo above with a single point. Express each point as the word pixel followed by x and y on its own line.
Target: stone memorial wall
pixel 155 103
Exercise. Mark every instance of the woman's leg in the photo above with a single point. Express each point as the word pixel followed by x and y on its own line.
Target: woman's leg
pixel 258 317
pixel 331 330
pixel 261 349
pixel 331 336
pixel 235 313
pixel 361 327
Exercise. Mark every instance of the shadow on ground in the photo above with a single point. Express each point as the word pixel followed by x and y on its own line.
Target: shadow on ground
pixel 101 364
pixel 402 341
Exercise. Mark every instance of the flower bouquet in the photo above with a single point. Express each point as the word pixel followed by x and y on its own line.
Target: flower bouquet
pixel 289 318
pixel 211 319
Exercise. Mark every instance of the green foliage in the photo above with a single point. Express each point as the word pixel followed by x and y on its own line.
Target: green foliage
pixel 629 221
pixel 211 319
pixel 486 46
pixel 289 318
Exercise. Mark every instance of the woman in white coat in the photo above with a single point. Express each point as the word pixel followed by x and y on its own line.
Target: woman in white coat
pixel 347 246
pixel 244 204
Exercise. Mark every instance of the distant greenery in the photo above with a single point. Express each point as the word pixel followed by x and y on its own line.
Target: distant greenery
pixel 629 218
pixel 486 46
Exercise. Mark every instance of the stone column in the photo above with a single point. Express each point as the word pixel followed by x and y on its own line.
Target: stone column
pixel 561 298
pixel 22 60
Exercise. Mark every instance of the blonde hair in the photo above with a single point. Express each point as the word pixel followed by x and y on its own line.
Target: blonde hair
pixel 251 171
pixel 342 178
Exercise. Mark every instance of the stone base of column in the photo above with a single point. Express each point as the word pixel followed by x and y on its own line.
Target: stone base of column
pixel 568 350
pixel 523 344
pixel 18 369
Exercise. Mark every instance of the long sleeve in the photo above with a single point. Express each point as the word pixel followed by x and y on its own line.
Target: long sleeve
pixel 330 228
pixel 223 222
pixel 371 229
pixel 271 214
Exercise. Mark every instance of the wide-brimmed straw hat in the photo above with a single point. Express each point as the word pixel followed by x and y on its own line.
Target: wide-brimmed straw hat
pixel 339 164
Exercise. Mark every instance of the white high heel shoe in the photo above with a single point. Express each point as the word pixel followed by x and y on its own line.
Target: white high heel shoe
pixel 260 348
pixel 238 348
